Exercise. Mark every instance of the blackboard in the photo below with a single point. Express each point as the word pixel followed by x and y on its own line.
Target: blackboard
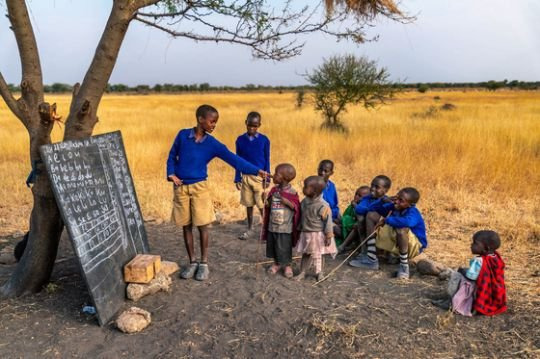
pixel 94 191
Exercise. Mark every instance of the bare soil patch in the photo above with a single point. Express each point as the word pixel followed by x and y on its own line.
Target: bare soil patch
pixel 243 313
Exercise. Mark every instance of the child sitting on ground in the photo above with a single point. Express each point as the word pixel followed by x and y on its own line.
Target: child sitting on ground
pixel 325 170
pixel 316 232
pixel 402 233
pixel 479 288
pixel 281 216
pixel 254 147
pixel 369 211
pixel 348 219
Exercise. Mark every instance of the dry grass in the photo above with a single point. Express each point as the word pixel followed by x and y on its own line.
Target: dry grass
pixel 476 166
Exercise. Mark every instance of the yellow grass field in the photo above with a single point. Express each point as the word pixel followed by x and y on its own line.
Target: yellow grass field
pixel 477 166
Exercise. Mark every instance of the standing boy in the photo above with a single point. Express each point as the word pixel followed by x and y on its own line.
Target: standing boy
pixel 254 147
pixel 325 170
pixel 187 168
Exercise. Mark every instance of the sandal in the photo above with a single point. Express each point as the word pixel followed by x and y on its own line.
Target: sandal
pixel 273 269
pixel 288 273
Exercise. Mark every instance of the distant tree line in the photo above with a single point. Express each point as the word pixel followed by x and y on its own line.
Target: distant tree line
pixel 491 85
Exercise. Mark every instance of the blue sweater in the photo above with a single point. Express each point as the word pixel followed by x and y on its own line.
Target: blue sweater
pixel 188 160
pixel 330 196
pixel 371 204
pixel 412 219
pixel 255 151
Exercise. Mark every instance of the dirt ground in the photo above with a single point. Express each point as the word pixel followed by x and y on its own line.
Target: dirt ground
pixel 243 313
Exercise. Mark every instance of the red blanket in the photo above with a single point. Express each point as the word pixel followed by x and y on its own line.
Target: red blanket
pixel 293 198
pixel 490 289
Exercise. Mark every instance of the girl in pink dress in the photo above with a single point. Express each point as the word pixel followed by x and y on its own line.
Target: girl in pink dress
pixel 316 228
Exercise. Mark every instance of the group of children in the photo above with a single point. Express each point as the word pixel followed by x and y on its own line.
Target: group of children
pixel 392 226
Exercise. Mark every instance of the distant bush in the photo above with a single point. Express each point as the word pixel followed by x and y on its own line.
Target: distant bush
pixel 423 88
pixel 448 107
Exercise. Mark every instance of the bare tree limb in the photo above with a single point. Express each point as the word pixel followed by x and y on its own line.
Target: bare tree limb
pixel 270 32
pixel 11 102
pixel 28 52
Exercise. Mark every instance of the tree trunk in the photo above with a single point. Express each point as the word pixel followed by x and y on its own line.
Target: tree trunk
pixel 36 264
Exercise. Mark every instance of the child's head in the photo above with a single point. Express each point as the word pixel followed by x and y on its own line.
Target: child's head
pixel 380 185
pixel 284 173
pixel 361 192
pixel 207 117
pixel 406 197
pixel 313 186
pixel 485 242
pixel 253 122
pixel 325 169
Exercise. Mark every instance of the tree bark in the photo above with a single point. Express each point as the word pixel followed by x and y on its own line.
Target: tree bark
pixel 86 98
pixel 36 264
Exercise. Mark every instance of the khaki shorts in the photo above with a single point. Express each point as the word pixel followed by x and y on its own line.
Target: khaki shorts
pixel 387 240
pixel 192 204
pixel 251 191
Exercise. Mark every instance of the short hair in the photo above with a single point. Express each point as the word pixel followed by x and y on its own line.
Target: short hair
pixel 359 189
pixel 387 181
pixel 412 194
pixel 289 172
pixel 204 110
pixel 489 238
pixel 317 182
pixel 253 115
pixel 326 162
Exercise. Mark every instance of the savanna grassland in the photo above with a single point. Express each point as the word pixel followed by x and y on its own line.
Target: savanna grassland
pixel 476 165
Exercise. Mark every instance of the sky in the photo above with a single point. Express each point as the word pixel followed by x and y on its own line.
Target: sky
pixel 450 41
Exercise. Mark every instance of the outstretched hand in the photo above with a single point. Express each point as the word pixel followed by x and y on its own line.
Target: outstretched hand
pixel 264 175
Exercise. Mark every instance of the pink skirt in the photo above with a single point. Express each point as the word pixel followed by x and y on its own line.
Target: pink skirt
pixel 313 243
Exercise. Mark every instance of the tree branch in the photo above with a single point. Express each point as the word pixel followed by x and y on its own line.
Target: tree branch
pixel 28 52
pixel 86 98
pixel 11 102
pixel 270 32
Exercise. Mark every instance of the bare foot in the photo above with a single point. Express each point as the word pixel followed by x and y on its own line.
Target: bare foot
pixel 273 269
pixel 288 272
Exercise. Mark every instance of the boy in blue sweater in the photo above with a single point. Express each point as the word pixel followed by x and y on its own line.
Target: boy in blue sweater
pixel 325 170
pixel 187 168
pixel 254 147
pixel 403 232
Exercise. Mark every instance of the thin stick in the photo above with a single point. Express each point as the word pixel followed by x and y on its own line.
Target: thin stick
pixel 259 251
pixel 346 259
pixel 350 255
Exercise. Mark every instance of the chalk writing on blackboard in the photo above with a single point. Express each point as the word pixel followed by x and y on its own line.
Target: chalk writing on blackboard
pixel 96 196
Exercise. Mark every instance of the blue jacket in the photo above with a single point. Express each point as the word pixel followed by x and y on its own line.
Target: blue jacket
pixel 188 160
pixel 371 204
pixel 256 151
pixel 330 196
pixel 412 219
